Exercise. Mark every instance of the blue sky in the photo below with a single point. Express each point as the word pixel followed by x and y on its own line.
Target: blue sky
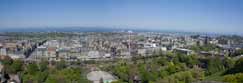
pixel 186 15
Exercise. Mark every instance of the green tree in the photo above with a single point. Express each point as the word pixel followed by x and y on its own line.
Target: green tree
pixel 61 65
pixel 67 75
pixel 230 78
pixel 214 65
pixel 228 63
pixel 43 65
pixel 32 68
pixel 12 67
pixel 162 61
pixel 234 78
pixel 163 73
pixel 121 70
pixel 51 80
pixel 16 66
pixel 41 76
pixel 238 67
pixel 171 68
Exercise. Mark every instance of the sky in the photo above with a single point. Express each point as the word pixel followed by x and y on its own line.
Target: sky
pixel 224 16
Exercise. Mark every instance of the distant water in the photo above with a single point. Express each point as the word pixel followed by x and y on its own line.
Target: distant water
pixel 66 29
pixel 99 29
pixel 74 29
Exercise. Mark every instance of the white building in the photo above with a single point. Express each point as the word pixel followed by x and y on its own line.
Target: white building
pixel 142 52
pixel 93 55
pixel 3 51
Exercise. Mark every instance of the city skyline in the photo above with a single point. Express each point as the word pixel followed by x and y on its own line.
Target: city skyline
pixel 223 16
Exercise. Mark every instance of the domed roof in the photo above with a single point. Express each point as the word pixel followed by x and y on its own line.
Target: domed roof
pixel 97 75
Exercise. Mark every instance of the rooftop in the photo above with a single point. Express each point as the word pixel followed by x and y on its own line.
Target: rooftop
pixel 97 75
